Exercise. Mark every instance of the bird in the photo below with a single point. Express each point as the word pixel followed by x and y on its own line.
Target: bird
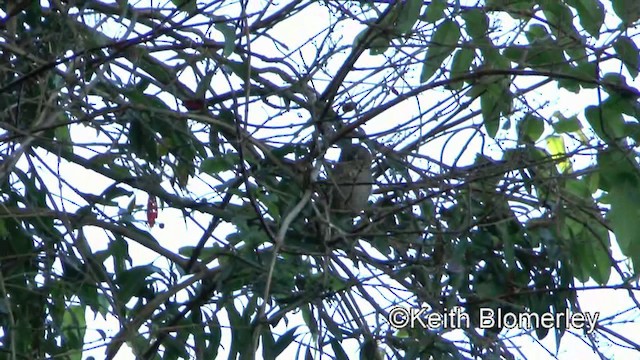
pixel 351 179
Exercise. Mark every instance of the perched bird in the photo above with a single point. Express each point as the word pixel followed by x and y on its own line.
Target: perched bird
pixel 351 179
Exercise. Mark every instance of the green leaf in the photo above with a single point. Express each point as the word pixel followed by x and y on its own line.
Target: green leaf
pixel 217 164
pixel 627 10
pixel 379 38
pixel 142 139
pixel 540 305
pixel 606 121
pixel 370 350
pixel 518 9
pixel 3 229
pixel 443 42
pixel 579 189
pixel 239 328
pixel 633 131
pixel 379 45
pixel 624 216
pixel 628 51
pixel 591 14
pixel 490 116
pixel 74 327
pixel 435 11
pixel 409 13
pixel 284 341
pixel 460 65
pixel 573 44
pixel 476 23
pixel 530 128
pixel 310 320
pixel 203 86
pixel 494 59
pixel 545 56
pixel 132 205
pixel 132 281
pixel 584 76
pixel 215 335
pixel 624 105
pixel 161 72
pixel 229 34
pixel 581 259
pixel 503 5
pixel 188 6
pixel 560 18
pixel 557 149
pixel 152 102
pixel 616 84
pixel 537 33
pixel 616 167
pixel 543 52
pixel 239 68
pixel 516 53
pixel 601 247
pixel 593 181
pixel 62 134
pixel 338 351
pixel 378 42
pixel 494 102
pixel 566 125
pixel 268 344
pixel 589 233
pixel 114 192
pixel 587 71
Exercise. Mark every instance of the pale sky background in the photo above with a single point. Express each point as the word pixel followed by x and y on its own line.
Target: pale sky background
pixel 177 234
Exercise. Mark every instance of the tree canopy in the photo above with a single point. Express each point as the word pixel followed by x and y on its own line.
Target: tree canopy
pixel 167 166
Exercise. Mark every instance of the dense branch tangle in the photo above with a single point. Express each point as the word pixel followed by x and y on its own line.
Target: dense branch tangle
pixel 230 115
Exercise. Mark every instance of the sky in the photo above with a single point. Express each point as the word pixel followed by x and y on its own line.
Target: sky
pixel 177 233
